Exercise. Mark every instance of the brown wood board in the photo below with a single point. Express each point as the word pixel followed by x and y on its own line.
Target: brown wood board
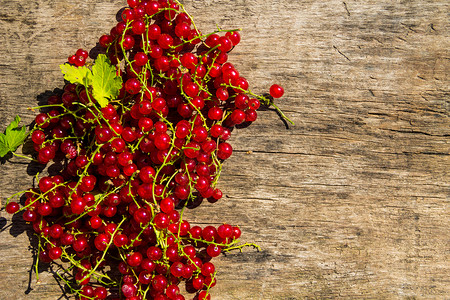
pixel 351 202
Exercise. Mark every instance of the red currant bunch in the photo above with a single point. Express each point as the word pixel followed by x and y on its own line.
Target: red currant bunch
pixel 79 58
pixel 133 161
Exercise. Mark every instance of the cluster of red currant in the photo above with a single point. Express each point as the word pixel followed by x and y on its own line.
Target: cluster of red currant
pixel 132 165
pixel 79 58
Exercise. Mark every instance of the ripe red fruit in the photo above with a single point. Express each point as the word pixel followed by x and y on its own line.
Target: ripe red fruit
pixel 134 259
pixel 120 240
pixel 237 116
pixel 276 91
pixel 204 295
pixel 167 205
pixel 55 253
pixel 12 207
pixel 234 37
pixel 207 269
pixel 191 89
pixel 132 86
pixel 127 42
pixel 225 231
pixel 159 283
pixel 224 150
pixel 225 44
pixel 154 253
pixel 213 250
pixel 215 113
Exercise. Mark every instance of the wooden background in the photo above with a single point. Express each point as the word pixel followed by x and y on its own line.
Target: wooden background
pixel 351 202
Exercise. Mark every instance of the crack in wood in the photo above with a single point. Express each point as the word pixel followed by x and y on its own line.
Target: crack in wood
pixel 427 153
pixel 280 152
pixel 345 6
pixel 341 52
pixel 415 132
pixel 410 27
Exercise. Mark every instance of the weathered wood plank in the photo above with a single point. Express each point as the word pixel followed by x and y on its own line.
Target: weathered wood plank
pixel 351 202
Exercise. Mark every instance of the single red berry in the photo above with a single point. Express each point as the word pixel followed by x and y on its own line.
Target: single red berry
pixel 134 259
pixel 207 269
pixel 100 293
pixel 222 93
pixel 161 221
pixel 159 283
pixel 250 115
pixel 101 241
pixel 145 277
pixel 165 41
pixel 225 231
pixel 154 253
pixel 128 42
pixel 209 233
pixel 276 91
pixel 129 290
pixel 154 31
pixel 191 89
pixel 215 113
pixel 12 207
pixel 236 232
pixel 176 269
pixel 224 150
pixel 213 250
pixel 120 240
pixel 198 282
pixel 55 253
pixel 38 137
pixel 237 116
pixel 204 295
pixel 234 37
pixel 127 15
pixel 212 40
pixel 138 26
pixel 167 205
pixel 173 291
pixel 132 86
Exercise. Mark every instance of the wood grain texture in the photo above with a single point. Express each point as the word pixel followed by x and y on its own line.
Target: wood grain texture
pixel 351 202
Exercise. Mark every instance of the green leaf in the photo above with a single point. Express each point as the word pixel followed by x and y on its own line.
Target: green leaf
pixel 12 138
pixel 74 74
pixel 14 124
pixel 105 82
pixel 4 149
pixel 15 135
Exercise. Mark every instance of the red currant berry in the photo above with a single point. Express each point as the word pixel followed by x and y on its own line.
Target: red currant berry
pixel 132 86
pixel 134 259
pixel 234 37
pixel 204 295
pixel 159 283
pixel 207 269
pixel 224 150
pixel 140 59
pixel 276 91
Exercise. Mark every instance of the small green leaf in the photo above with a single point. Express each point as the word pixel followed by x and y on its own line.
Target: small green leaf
pixel 74 74
pixel 15 135
pixel 105 82
pixel 12 138
pixel 4 149
pixel 14 124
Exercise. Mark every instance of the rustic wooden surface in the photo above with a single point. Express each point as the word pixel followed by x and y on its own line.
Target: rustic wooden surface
pixel 351 202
